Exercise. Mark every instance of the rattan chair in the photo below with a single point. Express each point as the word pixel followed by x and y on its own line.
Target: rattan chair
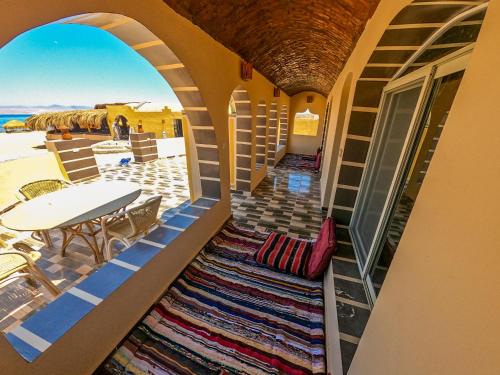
pixel 21 263
pixel 127 225
pixel 41 187
pixel 36 189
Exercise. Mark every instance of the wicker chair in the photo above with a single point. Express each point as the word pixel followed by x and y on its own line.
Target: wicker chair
pixel 41 187
pixel 127 225
pixel 21 263
pixel 38 188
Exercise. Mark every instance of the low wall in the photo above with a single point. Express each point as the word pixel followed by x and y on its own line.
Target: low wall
pixel 94 138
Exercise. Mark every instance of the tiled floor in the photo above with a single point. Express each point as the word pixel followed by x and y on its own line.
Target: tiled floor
pixel 18 300
pixel 399 220
pixel 352 306
pixel 288 201
pixel 395 232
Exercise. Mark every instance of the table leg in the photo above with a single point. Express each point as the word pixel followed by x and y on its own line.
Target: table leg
pixel 95 247
pixel 66 240
pixel 77 231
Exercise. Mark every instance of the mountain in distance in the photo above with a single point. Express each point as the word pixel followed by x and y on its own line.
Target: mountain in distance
pixel 21 109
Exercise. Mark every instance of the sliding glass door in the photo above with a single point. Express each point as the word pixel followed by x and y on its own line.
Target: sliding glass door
pixel 413 111
pixel 398 114
pixel 415 169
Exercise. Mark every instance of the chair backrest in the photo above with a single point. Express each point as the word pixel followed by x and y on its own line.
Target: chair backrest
pixel 145 215
pixel 41 187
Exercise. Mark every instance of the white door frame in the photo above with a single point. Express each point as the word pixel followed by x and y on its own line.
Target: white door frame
pixel 449 64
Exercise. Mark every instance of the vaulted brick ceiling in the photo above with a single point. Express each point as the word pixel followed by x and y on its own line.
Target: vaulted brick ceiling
pixel 300 45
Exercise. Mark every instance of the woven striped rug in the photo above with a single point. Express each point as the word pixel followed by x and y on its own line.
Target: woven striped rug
pixel 227 315
pixel 298 162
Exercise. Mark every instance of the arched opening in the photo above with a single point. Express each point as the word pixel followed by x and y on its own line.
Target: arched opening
pixel 204 154
pixel 261 135
pixel 336 153
pixel 306 123
pixel 326 121
pixel 242 139
pixel 203 166
pixel 399 107
pixel 272 137
pixel 231 112
pixel 283 128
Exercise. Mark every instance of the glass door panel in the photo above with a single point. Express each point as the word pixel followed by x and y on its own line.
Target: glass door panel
pixel 415 168
pixel 395 120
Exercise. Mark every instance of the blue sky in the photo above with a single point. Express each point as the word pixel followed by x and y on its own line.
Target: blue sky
pixel 76 65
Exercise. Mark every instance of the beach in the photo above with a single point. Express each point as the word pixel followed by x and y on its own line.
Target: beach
pixel 24 158
pixel 21 145
pixel 6 118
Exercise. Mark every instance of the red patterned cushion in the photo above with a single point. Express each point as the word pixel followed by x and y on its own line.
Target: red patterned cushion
pixel 317 162
pixel 285 253
pixel 322 251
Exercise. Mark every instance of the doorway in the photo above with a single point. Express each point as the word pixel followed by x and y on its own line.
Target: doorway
pixel 413 113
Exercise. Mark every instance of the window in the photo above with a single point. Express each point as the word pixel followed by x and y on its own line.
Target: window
pixel 306 123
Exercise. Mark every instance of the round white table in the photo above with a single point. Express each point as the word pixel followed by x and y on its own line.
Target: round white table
pixel 72 210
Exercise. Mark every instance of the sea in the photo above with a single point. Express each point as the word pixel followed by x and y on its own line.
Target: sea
pixel 7 118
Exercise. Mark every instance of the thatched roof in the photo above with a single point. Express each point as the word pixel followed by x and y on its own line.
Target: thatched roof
pixel 84 119
pixel 300 45
pixel 104 105
pixel 14 124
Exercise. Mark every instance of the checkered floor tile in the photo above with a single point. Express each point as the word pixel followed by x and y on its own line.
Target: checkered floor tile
pixel 287 201
pixel 18 300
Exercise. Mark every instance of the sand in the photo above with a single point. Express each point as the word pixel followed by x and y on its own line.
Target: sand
pixel 21 145
pixel 21 163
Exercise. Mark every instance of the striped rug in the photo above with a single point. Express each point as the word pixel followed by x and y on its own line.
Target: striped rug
pixel 227 315
pixel 298 162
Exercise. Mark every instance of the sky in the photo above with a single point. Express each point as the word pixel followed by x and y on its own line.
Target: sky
pixel 76 65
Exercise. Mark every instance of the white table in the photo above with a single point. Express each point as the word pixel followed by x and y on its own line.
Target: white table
pixel 72 210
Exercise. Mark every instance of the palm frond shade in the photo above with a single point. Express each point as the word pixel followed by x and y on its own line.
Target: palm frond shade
pixel 82 119
pixel 14 125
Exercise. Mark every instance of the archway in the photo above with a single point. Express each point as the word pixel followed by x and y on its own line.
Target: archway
pixel 205 177
pixel 283 127
pixel 326 121
pixel 338 133
pixel 306 123
pixel 261 134
pixel 231 112
pixel 204 158
pixel 400 50
pixel 243 139
pixel 272 135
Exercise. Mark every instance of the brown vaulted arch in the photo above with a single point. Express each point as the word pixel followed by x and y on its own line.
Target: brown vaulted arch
pixel 261 134
pixel 243 147
pixel 413 27
pixel 283 127
pixel 154 50
pixel 272 135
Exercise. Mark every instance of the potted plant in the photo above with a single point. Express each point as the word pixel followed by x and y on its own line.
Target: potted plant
pixel 66 135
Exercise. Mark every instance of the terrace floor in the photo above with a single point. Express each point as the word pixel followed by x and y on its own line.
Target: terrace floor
pixel 288 201
pixel 18 300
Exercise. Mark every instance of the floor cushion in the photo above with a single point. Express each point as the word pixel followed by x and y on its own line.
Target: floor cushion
pixel 322 250
pixel 317 162
pixel 285 254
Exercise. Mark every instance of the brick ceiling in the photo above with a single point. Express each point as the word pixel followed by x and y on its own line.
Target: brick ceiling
pixel 300 45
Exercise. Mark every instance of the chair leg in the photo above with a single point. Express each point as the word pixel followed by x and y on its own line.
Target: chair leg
pixel 46 238
pixel 43 236
pixel 109 246
pixel 44 280
pixel 31 281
